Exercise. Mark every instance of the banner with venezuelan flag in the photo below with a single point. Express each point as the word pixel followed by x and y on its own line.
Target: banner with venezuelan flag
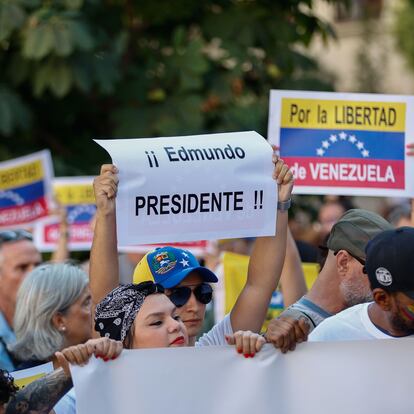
pixel 350 144
pixel 25 189
pixel 75 194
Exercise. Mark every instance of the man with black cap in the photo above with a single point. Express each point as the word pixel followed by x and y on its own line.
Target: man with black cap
pixel 390 268
pixel 340 284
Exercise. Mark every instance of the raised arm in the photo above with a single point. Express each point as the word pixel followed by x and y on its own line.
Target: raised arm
pixel 61 253
pixel 266 263
pixel 292 281
pixel 103 268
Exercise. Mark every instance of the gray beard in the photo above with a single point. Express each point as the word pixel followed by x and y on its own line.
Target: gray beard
pixel 354 295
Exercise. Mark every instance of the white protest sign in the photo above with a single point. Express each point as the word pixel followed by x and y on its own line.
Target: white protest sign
pixel 197 187
pixel 367 377
pixel 344 143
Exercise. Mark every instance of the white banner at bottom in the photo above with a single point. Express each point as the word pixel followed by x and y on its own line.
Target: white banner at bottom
pixel 369 377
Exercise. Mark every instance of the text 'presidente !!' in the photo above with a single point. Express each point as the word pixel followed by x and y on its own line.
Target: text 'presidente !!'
pixel 194 202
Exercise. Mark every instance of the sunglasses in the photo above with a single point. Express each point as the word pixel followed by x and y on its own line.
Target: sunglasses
pixel 7 236
pixel 358 259
pixel 181 294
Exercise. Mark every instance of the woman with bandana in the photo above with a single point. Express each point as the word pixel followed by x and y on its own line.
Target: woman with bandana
pixel 142 316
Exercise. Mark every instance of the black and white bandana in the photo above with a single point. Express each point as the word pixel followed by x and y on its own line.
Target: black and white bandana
pixel 116 313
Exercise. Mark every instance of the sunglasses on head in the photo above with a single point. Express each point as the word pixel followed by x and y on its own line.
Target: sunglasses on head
pixel 181 294
pixel 7 236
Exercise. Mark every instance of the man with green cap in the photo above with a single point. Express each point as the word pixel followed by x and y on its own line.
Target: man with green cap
pixel 340 284
pixel 390 269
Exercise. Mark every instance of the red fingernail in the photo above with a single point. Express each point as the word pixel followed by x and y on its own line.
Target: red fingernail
pixel 239 351
pixel 106 359
pixel 114 357
pixel 246 355
pixel 251 355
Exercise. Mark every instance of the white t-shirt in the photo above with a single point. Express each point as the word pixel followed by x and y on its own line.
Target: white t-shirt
pixel 349 325
pixel 215 336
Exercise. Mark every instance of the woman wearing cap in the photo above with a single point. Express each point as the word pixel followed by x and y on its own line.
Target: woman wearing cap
pixel 142 316
pixel 190 283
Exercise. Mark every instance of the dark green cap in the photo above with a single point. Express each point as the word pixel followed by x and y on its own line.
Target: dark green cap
pixel 354 230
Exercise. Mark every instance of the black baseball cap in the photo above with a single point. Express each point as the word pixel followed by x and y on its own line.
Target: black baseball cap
pixel 390 261
pixel 354 230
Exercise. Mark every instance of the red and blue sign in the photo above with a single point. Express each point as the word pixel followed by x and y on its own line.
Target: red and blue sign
pixel 25 189
pixel 75 194
pixel 343 143
pixel 349 158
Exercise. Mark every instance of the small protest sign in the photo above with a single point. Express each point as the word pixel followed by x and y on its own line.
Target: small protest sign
pixel 25 189
pixel 75 194
pixel 193 188
pixel 26 376
pixel 350 144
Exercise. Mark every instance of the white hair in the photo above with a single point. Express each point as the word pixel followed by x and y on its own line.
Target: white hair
pixel 47 290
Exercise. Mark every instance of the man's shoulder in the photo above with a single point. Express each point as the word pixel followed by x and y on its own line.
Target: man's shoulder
pixel 340 326
pixel 348 313
pixel 304 307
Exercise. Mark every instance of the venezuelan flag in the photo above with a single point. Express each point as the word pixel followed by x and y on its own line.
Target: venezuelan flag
pixel 346 144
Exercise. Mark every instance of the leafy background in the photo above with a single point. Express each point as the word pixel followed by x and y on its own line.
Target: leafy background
pixel 73 70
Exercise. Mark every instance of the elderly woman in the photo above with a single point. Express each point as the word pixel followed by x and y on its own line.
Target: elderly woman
pixel 53 311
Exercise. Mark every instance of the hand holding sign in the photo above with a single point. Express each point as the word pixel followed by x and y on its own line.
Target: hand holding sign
pixel 284 177
pixel 105 188
pixel 246 342
pixel 104 348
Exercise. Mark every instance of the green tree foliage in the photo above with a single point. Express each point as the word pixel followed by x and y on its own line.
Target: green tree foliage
pixel 71 70
pixel 404 23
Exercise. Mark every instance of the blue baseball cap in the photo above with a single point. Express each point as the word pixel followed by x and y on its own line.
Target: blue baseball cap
pixel 168 266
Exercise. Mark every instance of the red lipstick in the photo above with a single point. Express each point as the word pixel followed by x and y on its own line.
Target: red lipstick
pixel 178 341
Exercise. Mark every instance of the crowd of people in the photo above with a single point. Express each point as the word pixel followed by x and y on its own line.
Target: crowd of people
pixel 56 312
